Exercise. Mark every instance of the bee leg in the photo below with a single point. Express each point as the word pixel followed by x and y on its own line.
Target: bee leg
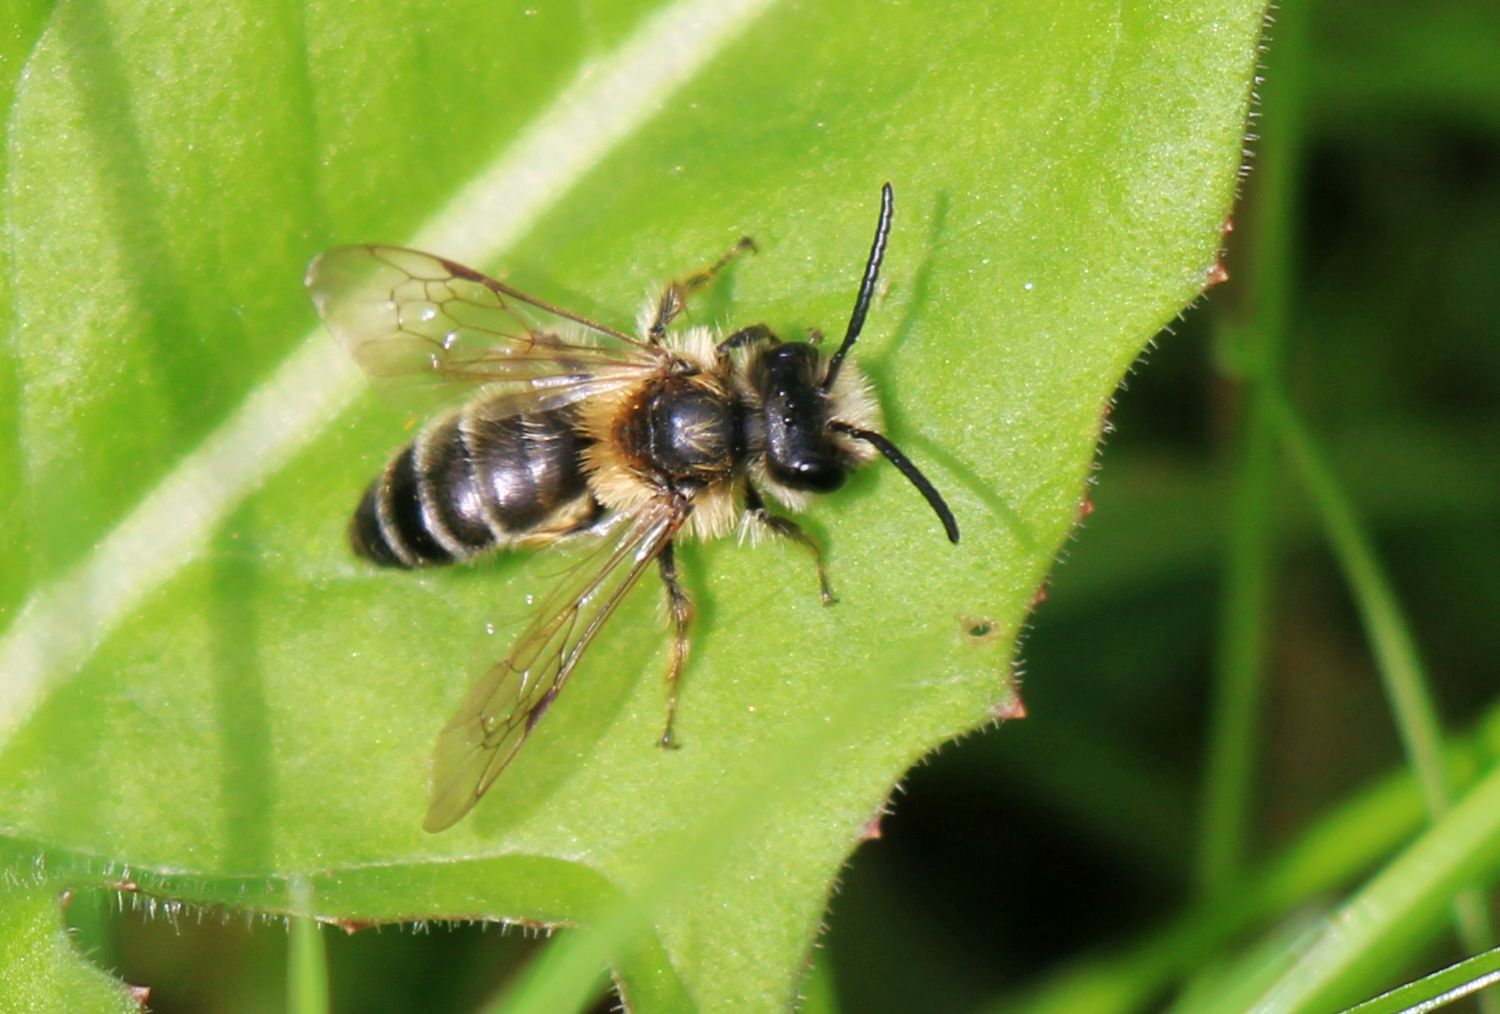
pixel 674 297
pixel 747 336
pixel 680 608
pixel 786 528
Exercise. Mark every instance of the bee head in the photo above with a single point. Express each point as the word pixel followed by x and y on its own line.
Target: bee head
pixel 800 452
pixel 799 411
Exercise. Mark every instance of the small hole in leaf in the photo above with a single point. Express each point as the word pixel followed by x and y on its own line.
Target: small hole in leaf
pixel 981 628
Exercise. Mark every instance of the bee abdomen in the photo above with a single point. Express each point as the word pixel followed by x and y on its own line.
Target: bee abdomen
pixel 473 481
pixel 391 525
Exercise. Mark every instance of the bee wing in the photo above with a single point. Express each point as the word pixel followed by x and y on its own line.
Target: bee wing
pixel 420 321
pixel 504 706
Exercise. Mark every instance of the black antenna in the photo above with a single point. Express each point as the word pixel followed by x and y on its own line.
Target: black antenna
pixel 866 288
pixel 905 467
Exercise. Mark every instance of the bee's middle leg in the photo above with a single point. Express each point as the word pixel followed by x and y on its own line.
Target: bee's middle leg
pixel 680 609
pixel 674 296
pixel 786 528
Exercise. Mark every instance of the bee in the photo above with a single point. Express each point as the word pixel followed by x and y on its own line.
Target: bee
pixel 575 429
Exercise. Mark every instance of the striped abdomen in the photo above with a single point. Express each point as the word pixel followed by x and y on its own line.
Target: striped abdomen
pixel 472 481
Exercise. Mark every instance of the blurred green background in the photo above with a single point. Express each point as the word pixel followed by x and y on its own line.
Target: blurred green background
pixel 1371 219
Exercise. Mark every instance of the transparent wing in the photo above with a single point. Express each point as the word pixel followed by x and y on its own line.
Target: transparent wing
pixel 419 321
pixel 505 705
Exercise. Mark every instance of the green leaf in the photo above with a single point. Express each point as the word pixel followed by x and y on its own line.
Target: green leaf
pixel 202 686
pixel 40 970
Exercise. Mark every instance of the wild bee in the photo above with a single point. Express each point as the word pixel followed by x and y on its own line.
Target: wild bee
pixel 577 429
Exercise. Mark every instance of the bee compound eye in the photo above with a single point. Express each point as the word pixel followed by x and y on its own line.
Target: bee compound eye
pixel 814 473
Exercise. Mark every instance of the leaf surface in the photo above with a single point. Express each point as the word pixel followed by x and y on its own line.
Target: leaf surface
pixel 203 686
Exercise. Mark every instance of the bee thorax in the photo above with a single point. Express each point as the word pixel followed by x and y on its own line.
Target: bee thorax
pixel 685 432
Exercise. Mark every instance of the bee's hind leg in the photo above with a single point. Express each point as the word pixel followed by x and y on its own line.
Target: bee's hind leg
pixel 680 609
pixel 786 528
pixel 674 296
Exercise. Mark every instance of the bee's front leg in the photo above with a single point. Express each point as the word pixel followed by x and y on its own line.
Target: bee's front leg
pixel 747 336
pixel 674 297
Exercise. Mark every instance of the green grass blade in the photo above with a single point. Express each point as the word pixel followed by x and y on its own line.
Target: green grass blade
pixel 307 958
pixel 1439 989
pixel 1253 348
pixel 1393 645
pixel 1239 668
pixel 1343 845
pixel 1397 912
